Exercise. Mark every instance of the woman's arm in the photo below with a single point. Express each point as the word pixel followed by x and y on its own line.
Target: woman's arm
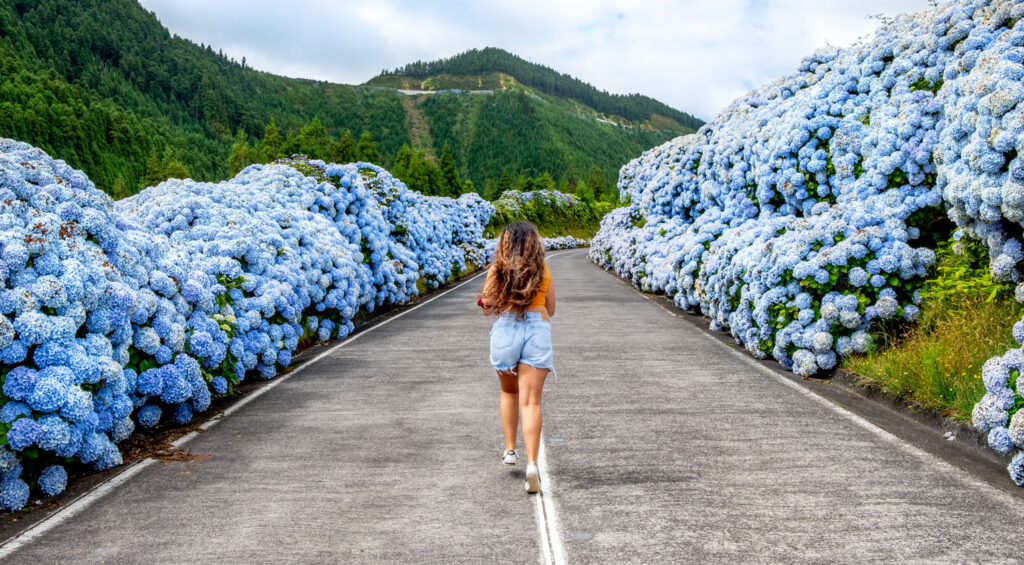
pixel 549 299
pixel 486 301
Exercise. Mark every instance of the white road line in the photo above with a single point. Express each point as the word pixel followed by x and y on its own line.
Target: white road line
pixel 107 486
pixel 547 516
pixel 931 460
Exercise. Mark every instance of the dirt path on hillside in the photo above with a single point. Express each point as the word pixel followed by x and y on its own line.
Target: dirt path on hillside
pixel 419 130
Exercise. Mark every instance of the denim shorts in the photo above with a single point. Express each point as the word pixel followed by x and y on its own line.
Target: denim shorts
pixel 521 340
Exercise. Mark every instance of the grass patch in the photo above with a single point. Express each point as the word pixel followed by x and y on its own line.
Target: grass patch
pixel 966 318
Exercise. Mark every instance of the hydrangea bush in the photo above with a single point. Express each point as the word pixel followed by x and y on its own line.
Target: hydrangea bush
pixel 550 243
pixel 141 311
pixel 805 215
pixel 551 211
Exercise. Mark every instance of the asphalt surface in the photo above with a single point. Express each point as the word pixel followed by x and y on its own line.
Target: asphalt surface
pixel 662 445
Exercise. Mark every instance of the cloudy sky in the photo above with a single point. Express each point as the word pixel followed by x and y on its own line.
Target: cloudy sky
pixel 695 55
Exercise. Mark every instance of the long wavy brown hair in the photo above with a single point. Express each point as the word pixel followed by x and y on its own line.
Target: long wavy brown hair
pixel 517 269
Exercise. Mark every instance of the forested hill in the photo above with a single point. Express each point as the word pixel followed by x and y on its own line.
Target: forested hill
pixel 105 86
pixel 490 60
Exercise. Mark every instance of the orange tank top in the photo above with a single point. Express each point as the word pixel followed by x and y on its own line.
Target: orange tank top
pixel 540 298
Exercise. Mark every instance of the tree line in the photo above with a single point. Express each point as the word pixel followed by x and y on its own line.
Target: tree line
pixel 104 86
pixel 635 107
pixel 414 167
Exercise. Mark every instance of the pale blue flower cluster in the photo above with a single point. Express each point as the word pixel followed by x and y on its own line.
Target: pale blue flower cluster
pixel 803 213
pixel 564 242
pixel 140 311
pixel 561 242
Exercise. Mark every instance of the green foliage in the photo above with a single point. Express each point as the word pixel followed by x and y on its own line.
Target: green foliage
pixel 272 142
pixel 344 150
pixel 488 60
pixel 423 176
pixel 966 318
pixel 312 141
pixel 962 271
pixel 584 193
pixel 552 218
pixel 400 168
pixel 449 174
pixel 516 133
pixel 924 84
pixel 102 84
pixel 242 154
pixel 596 183
pixel 366 150
pixel 159 170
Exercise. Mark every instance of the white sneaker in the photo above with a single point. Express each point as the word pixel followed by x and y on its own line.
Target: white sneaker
pixel 510 457
pixel 532 478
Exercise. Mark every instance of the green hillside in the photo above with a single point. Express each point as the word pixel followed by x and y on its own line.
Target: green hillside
pixel 529 135
pixel 105 86
pixel 490 63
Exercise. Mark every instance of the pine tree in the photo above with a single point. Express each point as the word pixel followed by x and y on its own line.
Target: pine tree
pixel 154 170
pixel 468 187
pixel 544 182
pixel 419 174
pixel 490 191
pixel 241 153
pixel 525 184
pixel 120 189
pixel 367 149
pixel 344 151
pixel 584 193
pixel 402 161
pixel 595 180
pixel 172 167
pixel 271 142
pixel 312 140
pixel 448 173
pixel 505 182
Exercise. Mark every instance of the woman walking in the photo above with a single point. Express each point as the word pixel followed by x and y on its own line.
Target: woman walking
pixel 518 290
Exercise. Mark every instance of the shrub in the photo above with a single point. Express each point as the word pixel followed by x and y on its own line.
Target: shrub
pixel 804 217
pixel 134 312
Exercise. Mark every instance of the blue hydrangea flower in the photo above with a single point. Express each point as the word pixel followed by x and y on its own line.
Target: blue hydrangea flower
pixel 999 440
pixel 14 410
pixel 149 415
pixel 182 413
pixel 219 385
pixel 1016 468
pixel 23 433
pixel 53 480
pixel 20 383
pixel 13 494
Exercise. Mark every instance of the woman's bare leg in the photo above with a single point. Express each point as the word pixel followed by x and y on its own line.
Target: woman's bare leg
pixel 531 384
pixel 509 406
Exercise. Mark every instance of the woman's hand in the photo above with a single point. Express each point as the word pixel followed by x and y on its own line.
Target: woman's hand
pixel 486 305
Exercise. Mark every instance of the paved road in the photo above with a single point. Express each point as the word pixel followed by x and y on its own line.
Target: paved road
pixel 661 445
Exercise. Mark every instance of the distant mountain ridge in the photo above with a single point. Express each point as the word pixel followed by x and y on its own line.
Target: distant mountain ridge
pixel 488 67
pixel 105 86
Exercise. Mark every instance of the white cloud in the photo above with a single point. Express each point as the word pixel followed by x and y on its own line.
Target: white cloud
pixel 695 55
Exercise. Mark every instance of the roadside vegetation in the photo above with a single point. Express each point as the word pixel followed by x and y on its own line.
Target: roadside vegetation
pixel 966 318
